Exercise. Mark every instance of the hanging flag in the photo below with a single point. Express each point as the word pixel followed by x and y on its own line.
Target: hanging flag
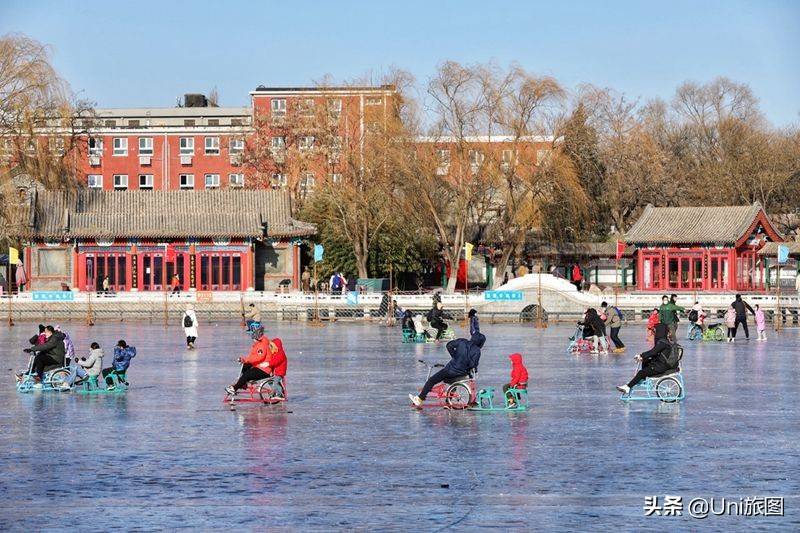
pixel 620 249
pixel 783 254
pixel 318 251
pixel 170 253
pixel 468 251
pixel 13 256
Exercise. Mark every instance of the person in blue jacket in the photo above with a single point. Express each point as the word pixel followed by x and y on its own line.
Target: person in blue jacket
pixel 122 360
pixel 465 355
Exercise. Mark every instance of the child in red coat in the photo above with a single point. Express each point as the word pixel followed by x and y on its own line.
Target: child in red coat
pixel 519 377
pixel 652 322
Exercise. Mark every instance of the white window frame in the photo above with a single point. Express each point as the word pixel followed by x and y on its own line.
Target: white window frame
pixel 306 142
pixel 308 183
pixel 149 182
pixel 186 146
pixel 236 179
pixel 335 177
pixel 475 158
pixel 212 145
pixel 118 183
pixel 307 107
pixel 279 179
pixel 214 181
pixel 97 149
pixel 278 107
pixel 335 106
pixel 57 145
pixel 236 145
pixel 144 149
pixel 120 145
pixel 373 100
pixel 94 181
pixel 186 181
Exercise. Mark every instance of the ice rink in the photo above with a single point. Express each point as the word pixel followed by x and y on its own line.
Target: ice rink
pixel 347 451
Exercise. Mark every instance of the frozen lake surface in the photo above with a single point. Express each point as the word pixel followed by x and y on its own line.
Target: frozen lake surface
pixel 347 451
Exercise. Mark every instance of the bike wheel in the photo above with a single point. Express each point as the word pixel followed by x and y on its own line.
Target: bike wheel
pixel 719 335
pixel 668 389
pixel 268 390
pixel 59 379
pixel 458 396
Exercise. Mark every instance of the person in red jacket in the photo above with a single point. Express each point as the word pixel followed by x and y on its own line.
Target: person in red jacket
pixel 256 365
pixel 577 277
pixel 519 377
pixel 277 366
pixel 652 322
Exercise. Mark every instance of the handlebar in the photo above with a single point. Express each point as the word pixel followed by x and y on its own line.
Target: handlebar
pixel 435 365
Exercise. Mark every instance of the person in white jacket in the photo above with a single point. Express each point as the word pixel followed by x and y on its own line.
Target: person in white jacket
pixel 189 322
pixel 89 366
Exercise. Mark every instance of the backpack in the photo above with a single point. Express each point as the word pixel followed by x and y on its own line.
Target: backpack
pixel 619 313
pixel 337 282
pixel 693 315
pixel 673 358
pixel 187 321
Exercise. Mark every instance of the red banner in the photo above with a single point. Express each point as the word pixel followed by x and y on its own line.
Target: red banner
pixel 170 253
pixel 620 249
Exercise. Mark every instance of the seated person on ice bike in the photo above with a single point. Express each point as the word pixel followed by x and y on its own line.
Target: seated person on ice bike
pixel 465 356
pixel 407 320
pixel 49 354
pixel 264 360
pixel 87 367
pixel 654 360
pixel 253 315
pixel 436 319
pixel 119 366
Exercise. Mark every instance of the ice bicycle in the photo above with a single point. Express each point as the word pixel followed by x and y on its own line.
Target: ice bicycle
pixel 411 336
pixel 454 393
pixel 485 400
pixel 56 378
pixel 713 332
pixel 578 344
pixel 270 390
pixel 667 387
pixel 93 384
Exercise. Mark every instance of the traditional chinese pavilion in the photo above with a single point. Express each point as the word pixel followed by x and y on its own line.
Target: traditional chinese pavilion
pixel 213 240
pixel 701 248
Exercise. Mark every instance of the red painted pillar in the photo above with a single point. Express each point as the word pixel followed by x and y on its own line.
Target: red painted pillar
pixel 295 266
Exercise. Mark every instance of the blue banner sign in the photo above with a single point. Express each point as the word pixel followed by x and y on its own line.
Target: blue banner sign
pixel 53 296
pixel 352 298
pixel 502 296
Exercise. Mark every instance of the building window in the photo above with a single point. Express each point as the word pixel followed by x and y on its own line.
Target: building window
pixel 236 180
pixel 236 122
pixel 110 123
pixel 187 181
pixel 443 157
pixel 373 100
pixel 213 122
pixel 120 181
pixel 336 178
pixel 278 106
pixel 278 180
pixel 475 158
pixel 187 145
pixel 335 106
pixel 57 145
pixel 212 181
pixel 94 181
pixel 236 146
pixel 133 123
pixel 543 155
pixel 120 146
pixel 188 122
pixel 145 146
pixel 95 146
pixel 212 145
pixel 307 183
pixel 306 142
pixel 145 181
pixel 307 107
pixel 506 160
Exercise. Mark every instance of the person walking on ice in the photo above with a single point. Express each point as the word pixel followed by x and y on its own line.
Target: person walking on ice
pixel 189 322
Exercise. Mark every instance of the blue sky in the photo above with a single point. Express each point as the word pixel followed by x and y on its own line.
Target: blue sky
pixel 146 53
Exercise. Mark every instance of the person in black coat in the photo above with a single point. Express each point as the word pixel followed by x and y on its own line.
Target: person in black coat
pixel 51 353
pixel 654 360
pixel 436 319
pixel 465 355
pixel 595 324
pixel 741 307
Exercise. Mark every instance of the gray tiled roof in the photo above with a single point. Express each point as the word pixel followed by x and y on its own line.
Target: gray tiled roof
pixel 771 249
pixel 155 214
pixel 692 225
